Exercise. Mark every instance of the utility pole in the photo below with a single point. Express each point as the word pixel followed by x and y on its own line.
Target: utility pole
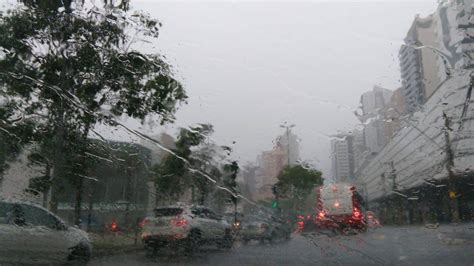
pixel 453 195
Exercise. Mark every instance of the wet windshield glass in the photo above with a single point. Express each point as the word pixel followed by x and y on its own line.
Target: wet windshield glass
pixel 224 132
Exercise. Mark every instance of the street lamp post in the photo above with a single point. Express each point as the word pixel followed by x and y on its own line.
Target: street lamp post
pixel 287 127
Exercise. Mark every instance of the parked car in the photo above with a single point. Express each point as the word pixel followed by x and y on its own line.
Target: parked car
pixel 188 226
pixel 235 220
pixel 30 234
pixel 255 230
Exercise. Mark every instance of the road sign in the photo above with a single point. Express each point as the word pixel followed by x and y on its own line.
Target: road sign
pixel 452 194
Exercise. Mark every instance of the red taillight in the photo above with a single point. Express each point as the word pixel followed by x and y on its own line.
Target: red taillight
pixel 179 221
pixel 356 214
pixel 144 222
pixel 321 215
pixel 114 226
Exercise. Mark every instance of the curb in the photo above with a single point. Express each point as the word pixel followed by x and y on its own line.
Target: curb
pixel 453 241
pixel 115 251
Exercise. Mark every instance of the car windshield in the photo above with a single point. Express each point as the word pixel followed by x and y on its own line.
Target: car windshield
pixel 237 132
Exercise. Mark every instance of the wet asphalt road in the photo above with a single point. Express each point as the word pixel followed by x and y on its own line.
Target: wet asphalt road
pixel 415 245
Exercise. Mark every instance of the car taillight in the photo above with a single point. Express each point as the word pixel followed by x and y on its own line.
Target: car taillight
pixel 114 226
pixel 144 222
pixel 179 221
pixel 321 214
pixel 356 213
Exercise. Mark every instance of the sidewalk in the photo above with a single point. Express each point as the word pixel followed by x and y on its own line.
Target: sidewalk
pixel 455 234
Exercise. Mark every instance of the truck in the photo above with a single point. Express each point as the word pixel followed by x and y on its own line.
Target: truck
pixel 338 207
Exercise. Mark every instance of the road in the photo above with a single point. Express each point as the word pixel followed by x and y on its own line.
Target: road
pixel 414 245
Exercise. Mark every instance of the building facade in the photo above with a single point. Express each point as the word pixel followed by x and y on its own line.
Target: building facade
pixel 271 163
pixel 342 150
pixel 289 143
pixel 373 103
pixel 436 46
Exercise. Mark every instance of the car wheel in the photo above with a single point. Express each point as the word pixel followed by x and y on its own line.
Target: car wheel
pixel 227 241
pixel 151 251
pixel 80 254
pixel 363 228
pixel 273 237
pixel 194 238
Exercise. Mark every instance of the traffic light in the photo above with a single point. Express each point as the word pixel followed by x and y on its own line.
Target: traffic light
pixel 274 204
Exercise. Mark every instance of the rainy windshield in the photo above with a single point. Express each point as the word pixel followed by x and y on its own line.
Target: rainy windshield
pixel 228 132
pixel 336 199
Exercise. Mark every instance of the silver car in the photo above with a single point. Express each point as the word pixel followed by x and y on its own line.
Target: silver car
pixel 186 225
pixel 31 234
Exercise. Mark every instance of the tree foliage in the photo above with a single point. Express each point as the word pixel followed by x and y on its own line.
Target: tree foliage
pixel 15 133
pixel 232 169
pixel 173 175
pixel 67 66
pixel 297 181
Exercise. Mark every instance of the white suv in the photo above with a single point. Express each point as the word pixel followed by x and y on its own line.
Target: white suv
pixel 32 235
pixel 186 225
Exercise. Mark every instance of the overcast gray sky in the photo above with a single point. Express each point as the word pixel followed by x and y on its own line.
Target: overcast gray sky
pixel 249 66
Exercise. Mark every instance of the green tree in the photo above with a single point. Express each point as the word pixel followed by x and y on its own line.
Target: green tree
pixel 296 182
pixel 73 65
pixel 232 169
pixel 172 176
pixel 204 160
pixel 15 132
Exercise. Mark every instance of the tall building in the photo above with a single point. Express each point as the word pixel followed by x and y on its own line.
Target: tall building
pixel 360 149
pixel 249 176
pixel 444 44
pixel 444 41
pixel 342 151
pixel 373 103
pixel 455 30
pixel 419 67
pixel 393 113
pixel 289 143
pixel 271 163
